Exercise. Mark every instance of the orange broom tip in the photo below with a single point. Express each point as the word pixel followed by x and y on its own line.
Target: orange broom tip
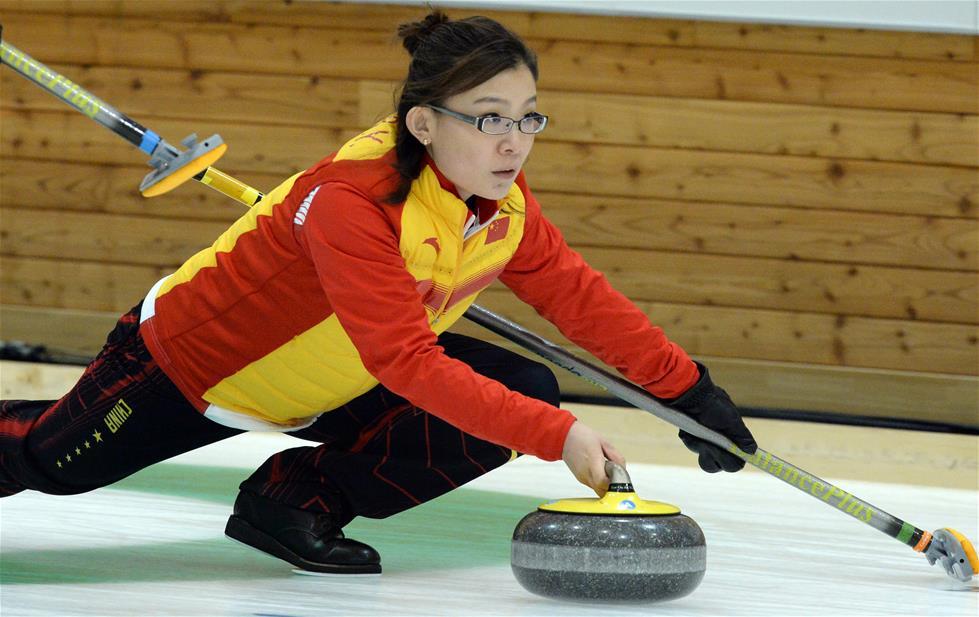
pixel 954 551
pixel 967 548
pixel 184 173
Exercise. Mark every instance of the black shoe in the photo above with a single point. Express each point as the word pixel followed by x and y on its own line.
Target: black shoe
pixel 308 541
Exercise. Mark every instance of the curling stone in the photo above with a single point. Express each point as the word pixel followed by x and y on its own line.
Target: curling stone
pixel 617 548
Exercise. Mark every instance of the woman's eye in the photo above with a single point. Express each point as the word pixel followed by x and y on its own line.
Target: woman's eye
pixel 532 123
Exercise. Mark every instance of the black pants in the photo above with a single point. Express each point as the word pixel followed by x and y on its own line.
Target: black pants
pixel 379 455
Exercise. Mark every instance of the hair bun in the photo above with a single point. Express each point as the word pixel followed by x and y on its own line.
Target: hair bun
pixel 413 33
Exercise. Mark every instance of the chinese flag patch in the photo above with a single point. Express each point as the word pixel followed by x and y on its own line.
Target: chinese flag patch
pixel 497 230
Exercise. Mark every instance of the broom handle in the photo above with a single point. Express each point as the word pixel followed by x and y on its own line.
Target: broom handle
pixel 77 97
pixel 766 461
pixel 119 123
pixel 147 141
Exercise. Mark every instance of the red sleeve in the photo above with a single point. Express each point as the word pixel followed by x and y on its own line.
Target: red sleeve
pixel 354 247
pixel 579 300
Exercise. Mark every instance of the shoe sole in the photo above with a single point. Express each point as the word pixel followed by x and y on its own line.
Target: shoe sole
pixel 240 530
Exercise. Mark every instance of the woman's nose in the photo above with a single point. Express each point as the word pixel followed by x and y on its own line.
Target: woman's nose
pixel 515 142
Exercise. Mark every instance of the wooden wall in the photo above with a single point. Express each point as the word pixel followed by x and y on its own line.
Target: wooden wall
pixel 797 206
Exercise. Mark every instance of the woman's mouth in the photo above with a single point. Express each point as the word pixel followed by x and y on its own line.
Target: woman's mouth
pixel 505 173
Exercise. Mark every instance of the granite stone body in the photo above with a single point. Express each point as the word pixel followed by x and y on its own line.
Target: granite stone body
pixel 607 557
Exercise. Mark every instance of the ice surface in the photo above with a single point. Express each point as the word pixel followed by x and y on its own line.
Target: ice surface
pixel 771 550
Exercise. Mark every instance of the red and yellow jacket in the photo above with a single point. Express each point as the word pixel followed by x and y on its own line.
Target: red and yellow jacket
pixel 323 290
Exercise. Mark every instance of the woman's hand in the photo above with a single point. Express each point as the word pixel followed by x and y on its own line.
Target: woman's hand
pixel 585 452
pixel 711 406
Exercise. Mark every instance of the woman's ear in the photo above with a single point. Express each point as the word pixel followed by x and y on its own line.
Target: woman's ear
pixel 420 121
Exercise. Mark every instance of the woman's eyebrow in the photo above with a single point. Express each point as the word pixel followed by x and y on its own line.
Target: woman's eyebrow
pixel 496 99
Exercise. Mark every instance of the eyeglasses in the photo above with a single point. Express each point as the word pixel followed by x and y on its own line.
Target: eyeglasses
pixel 531 124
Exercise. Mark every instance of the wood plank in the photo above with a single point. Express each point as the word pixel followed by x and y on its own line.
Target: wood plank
pixel 787 285
pixel 740 126
pixel 150 43
pixel 201 96
pixel 110 238
pixel 785 233
pixel 836 41
pixel 110 188
pixel 67 136
pixel 872 83
pixel 546 24
pixel 744 332
pixel 35 381
pixel 649 224
pixel 65 330
pixel 898 188
pixel 764 128
pixel 769 384
pixel 752 383
pixel 76 285
pixel 876 83
pixel 760 334
pixel 711 280
pixel 862 453
pixel 866 392
pixel 731 126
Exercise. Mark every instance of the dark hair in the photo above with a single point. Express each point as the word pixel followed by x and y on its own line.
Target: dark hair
pixel 448 57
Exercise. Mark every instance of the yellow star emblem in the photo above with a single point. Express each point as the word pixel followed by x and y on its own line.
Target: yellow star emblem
pixel 78 450
pixel 68 457
pixel 59 463
pixel 97 435
pixel 87 444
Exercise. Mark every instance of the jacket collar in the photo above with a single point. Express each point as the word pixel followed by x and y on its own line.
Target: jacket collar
pixel 484 208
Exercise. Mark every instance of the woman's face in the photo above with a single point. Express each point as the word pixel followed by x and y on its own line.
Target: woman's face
pixel 478 163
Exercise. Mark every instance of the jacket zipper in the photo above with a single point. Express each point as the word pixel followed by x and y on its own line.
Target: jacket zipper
pixel 455 273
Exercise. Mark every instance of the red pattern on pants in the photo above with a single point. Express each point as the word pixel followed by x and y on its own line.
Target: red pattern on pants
pixel 124 414
pixel 380 455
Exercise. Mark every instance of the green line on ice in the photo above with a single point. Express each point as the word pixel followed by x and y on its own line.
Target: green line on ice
pixel 466 528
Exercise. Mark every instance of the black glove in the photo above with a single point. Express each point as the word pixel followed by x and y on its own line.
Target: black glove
pixel 712 407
